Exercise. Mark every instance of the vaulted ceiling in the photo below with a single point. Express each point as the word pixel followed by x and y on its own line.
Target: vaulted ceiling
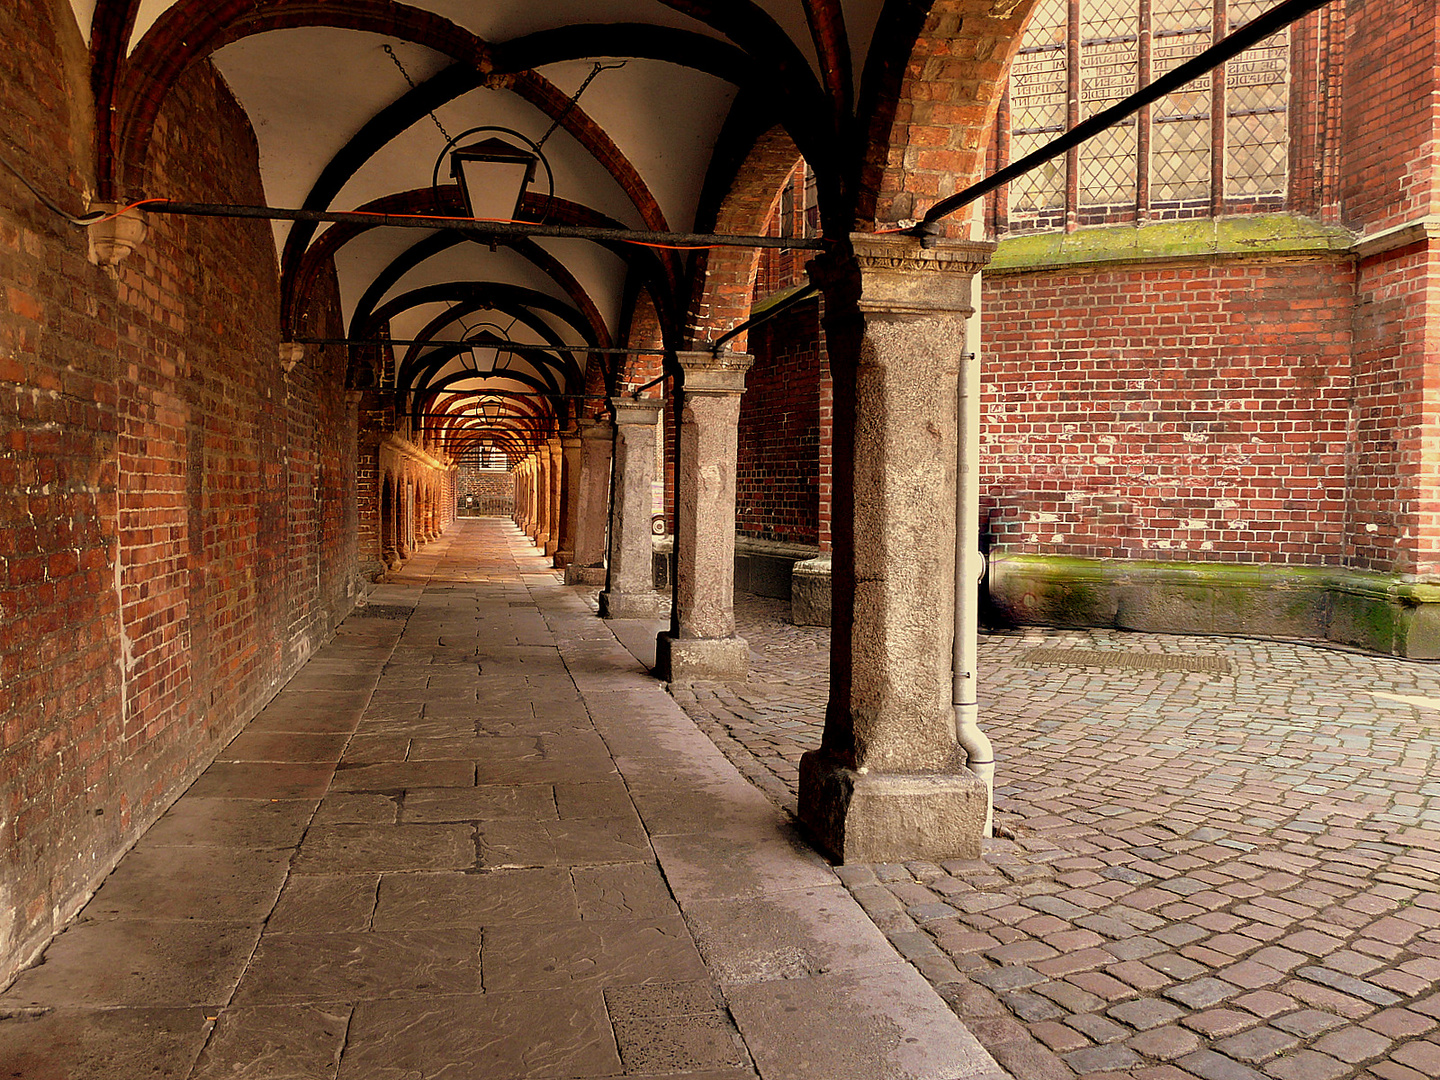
pixel 354 103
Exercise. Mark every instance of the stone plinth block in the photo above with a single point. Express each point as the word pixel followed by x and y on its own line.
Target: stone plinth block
pixel 641 605
pixel 868 817
pixel 575 574
pixel 681 660
pixel 810 592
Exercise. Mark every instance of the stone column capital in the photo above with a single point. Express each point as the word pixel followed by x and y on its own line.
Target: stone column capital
pixel 596 428
pixel 895 275
pixel 630 410
pixel 708 373
pixel 570 440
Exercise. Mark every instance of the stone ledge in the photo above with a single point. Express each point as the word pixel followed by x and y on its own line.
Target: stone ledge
pixel 763 567
pixel 1381 613
pixel 810 591
pixel 1254 236
pixel 771 568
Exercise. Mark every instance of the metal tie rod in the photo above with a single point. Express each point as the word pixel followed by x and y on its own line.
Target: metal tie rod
pixel 499 229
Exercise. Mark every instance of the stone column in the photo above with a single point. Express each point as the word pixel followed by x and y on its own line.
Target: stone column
pixel 701 641
pixel 630 587
pixel 524 482
pixel 531 482
pixel 570 489
pixel 532 508
pixel 597 439
pixel 553 453
pixel 889 782
pixel 542 496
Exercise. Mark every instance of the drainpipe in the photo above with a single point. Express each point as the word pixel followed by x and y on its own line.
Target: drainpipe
pixel 969 565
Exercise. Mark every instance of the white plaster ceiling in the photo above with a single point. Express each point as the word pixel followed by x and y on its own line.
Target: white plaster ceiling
pixel 670 142
pixel 84 16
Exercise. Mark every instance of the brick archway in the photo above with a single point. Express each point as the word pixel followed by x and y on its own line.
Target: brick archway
pixel 724 280
pixel 935 83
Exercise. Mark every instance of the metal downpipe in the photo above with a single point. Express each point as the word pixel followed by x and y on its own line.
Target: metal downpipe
pixel 969 563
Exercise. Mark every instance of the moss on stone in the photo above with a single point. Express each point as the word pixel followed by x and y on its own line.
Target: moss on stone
pixel 1384 613
pixel 1208 238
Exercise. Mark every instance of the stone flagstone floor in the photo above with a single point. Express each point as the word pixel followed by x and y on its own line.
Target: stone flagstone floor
pixel 1224 876
pixel 474 840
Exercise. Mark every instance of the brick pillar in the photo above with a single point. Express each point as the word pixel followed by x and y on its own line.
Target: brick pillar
pixel 630 587
pixel 889 782
pixel 553 454
pixel 570 493
pixel 701 641
pixel 597 438
pixel 405 519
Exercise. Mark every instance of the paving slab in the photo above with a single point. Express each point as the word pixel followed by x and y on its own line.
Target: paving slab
pixel 492 1036
pixel 197 821
pixel 93 1044
pixel 529 895
pixel 138 963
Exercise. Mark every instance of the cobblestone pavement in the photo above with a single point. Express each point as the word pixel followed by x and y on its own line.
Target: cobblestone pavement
pixel 1230 874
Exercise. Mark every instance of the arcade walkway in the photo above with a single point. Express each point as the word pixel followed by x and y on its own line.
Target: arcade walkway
pixel 472 839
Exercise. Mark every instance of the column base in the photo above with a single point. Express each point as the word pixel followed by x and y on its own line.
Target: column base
pixel 868 817
pixel 563 558
pixel 576 574
pixel 615 605
pixel 682 660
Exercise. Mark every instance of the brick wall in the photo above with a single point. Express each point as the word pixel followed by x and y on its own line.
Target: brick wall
pixel 493 491
pixel 777 476
pixel 176 513
pixel 1391 116
pixel 1390 126
pixel 1191 411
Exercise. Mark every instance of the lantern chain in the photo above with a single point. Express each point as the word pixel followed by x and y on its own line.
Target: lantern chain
pixel 391 53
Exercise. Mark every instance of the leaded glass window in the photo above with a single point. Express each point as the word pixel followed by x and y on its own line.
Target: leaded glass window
pixel 1039 90
pixel 1257 91
pixel 1109 71
pixel 1180 131
pixel 1242 116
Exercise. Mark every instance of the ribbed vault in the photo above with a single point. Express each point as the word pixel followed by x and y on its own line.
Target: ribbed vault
pixel 658 115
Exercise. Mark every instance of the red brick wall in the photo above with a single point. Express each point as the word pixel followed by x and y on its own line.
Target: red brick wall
pixel 1179 412
pixel 1391 122
pixel 777 489
pixel 1391 114
pixel 494 492
pixel 1394 483
pixel 175 523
